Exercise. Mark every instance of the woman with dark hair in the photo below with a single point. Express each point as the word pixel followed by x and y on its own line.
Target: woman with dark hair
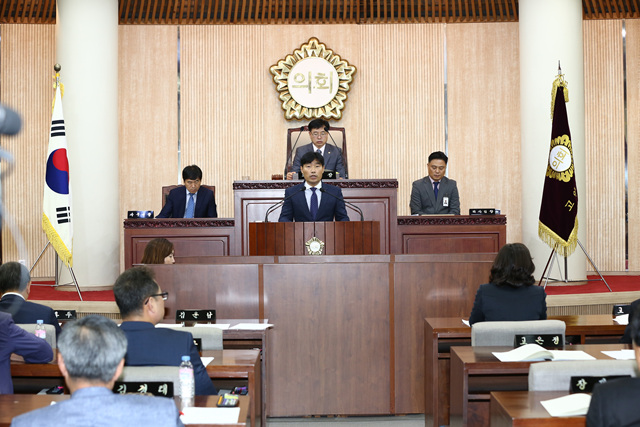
pixel 510 294
pixel 158 251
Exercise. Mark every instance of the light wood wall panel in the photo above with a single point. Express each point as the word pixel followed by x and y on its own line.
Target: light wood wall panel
pixel 27 56
pixel 484 118
pixel 604 197
pixel 633 139
pixel 148 106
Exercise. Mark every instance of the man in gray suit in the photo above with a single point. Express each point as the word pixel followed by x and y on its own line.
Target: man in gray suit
pixel 90 357
pixel 319 133
pixel 435 194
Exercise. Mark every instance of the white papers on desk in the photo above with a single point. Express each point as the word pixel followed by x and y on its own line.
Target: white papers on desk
pixel 207 360
pixel 252 326
pixel 567 406
pixel 196 415
pixel 623 319
pixel 466 322
pixel 533 352
pixel 169 325
pixel 621 354
pixel 222 326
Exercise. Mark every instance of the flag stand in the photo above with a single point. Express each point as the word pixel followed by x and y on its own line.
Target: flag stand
pixel 57 273
pixel 554 256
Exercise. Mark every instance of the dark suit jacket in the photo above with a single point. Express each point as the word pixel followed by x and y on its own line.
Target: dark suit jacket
pixel 506 303
pixel 177 201
pixel 14 339
pixel 151 346
pixel 627 338
pixel 295 208
pixel 28 312
pixel 613 404
pixel 332 158
pixel 423 199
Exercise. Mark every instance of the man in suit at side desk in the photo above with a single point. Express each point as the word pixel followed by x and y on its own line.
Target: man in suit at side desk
pixel 319 133
pixel 613 403
pixel 15 284
pixel 190 200
pixel 435 194
pixel 313 200
pixel 141 304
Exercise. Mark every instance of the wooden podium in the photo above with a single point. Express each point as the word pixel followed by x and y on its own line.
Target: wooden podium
pixel 289 238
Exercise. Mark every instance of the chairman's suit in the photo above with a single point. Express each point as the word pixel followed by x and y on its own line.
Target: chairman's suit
pixel 151 346
pixel 423 199
pixel 177 202
pixel 28 312
pixel 295 207
pixel 506 303
pixel 99 406
pixel 332 158
pixel 614 404
pixel 14 339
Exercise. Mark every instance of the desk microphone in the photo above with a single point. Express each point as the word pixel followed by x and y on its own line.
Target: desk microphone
pixel 351 205
pixel 292 151
pixel 281 202
pixel 339 152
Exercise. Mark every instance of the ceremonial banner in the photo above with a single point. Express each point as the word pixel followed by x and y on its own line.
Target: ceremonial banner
pixel 56 211
pixel 558 222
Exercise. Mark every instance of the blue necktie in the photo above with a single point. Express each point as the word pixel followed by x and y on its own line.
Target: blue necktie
pixel 319 151
pixel 435 189
pixel 191 207
pixel 314 203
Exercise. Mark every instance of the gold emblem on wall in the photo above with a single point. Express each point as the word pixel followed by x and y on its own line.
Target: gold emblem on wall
pixel 313 82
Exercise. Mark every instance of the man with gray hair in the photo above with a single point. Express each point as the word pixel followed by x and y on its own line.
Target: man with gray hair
pixel 91 357
pixel 15 285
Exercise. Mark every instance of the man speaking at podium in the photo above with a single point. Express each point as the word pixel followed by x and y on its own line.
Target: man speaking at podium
pixel 313 201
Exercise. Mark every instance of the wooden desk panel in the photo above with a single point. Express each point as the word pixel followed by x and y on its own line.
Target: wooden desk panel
pixel 523 409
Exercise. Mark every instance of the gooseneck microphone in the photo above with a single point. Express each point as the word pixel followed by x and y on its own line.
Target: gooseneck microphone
pixel 292 151
pixel 281 202
pixel 351 205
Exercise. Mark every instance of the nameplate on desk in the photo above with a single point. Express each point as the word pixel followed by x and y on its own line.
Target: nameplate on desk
pixel 198 343
pixel 139 214
pixel 63 315
pixel 547 341
pixel 620 309
pixel 482 211
pixel 155 388
pixel 204 316
pixel 585 384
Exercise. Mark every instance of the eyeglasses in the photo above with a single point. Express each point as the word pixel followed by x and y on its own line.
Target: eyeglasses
pixel 317 134
pixel 164 295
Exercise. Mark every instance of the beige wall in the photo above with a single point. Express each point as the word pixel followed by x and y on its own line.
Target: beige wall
pixel 231 122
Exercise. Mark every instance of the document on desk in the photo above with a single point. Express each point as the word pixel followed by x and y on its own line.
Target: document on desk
pixel 252 326
pixel 169 325
pixel 196 415
pixel 568 406
pixel 207 360
pixel 534 352
pixel 621 354
pixel 223 326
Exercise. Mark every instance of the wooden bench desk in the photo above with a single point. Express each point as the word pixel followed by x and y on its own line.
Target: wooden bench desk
pixel 523 409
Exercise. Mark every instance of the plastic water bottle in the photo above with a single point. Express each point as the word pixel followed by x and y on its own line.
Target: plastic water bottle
pixel 187 383
pixel 40 332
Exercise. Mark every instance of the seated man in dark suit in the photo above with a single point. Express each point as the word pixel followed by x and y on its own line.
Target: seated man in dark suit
pixel 435 194
pixel 15 284
pixel 192 200
pixel 141 304
pixel 91 357
pixel 313 201
pixel 319 133
pixel 14 339
pixel 613 404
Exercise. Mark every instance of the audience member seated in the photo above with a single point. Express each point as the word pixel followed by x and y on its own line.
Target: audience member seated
pixel 626 337
pixel 158 251
pixel 510 294
pixel 91 357
pixel 190 200
pixel 15 284
pixel 319 134
pixel 14 339
pixel 613 404
pixel 435 194
pixel 311 200
pixel 141 304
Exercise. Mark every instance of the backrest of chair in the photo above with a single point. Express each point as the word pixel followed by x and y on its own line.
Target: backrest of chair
pixel 545 376
pixel 151 373
pixel 167 188
pixel 211 337
pixel 49 329
pixel 337 133
pixel 502 333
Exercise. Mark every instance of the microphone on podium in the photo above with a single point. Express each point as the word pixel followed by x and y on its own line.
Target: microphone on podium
pixel 280 203
pixel 351 205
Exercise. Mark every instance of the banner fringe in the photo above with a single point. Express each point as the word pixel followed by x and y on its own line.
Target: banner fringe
pixel 56 241
pixel 565 248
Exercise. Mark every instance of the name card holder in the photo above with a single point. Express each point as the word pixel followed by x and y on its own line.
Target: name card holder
pixel 620 309
pixel 548 341
pixel 64 315
pixel 198 316
pixel 155 388
pixel 585 384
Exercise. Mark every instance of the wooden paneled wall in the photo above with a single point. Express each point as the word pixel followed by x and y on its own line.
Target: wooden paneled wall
pixel 633 140
pixel 231 123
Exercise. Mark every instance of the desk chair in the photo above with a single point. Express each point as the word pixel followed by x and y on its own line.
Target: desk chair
pixel 211 337
pixel 503 333
pixel 549 376
pixel 49 329
pixel 151 373
pixel 339 140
